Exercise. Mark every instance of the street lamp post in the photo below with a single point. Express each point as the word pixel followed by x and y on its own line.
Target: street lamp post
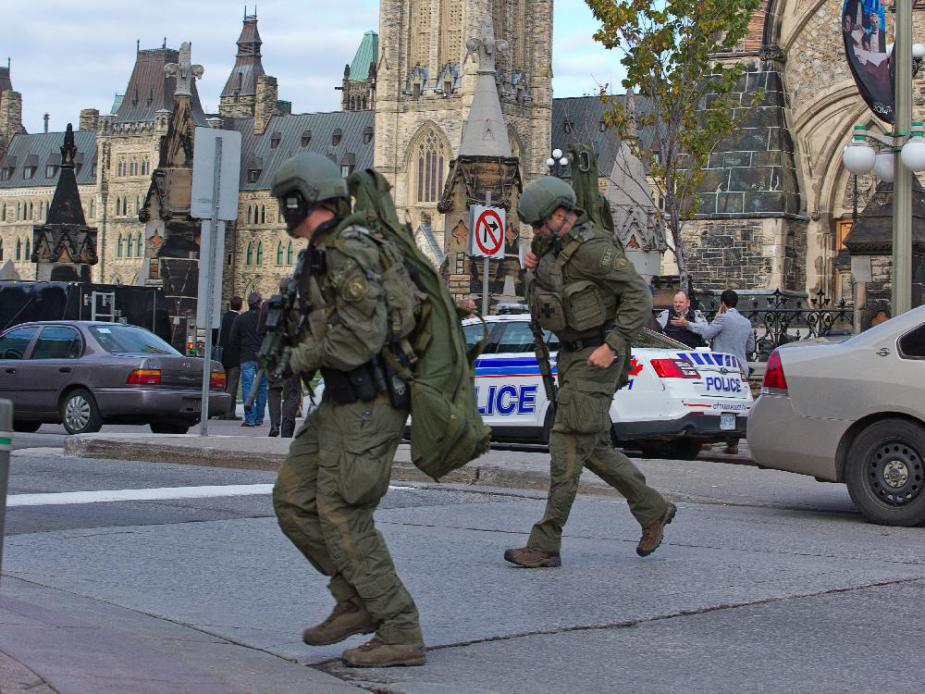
pixel 557 163
pixel 909 140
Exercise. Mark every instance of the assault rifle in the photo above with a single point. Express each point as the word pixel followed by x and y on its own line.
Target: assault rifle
pixel 276 346
pixel 541 349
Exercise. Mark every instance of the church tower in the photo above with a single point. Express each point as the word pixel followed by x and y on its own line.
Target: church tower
pixel 426 81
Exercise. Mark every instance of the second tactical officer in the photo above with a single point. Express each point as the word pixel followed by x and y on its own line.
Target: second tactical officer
pixel 582 288
pixel 340 462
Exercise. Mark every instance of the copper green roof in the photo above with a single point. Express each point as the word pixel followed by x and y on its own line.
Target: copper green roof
pixel 116 103
pixel 366 55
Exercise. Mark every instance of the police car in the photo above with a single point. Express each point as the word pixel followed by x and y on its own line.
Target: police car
pixel 677 398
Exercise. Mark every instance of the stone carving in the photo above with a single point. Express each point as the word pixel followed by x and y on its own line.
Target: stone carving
pixel 184 71
pixel 486 46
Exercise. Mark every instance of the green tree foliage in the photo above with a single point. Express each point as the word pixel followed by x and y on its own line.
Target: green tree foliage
pixel 672 52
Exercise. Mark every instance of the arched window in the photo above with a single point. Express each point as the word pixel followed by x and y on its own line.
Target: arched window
pixel 18 249
pixel 3 213
pixel 431 156
pixel 263 214
pixel 279 253
pixel 130 247
pixel 249 259
pixel 92 210
pixel 140 245
pixel 119 246
pixel 260 252
pixel 31 212
pixel 1 249
pixel 28 250
pixel 250 214
pixel 289 254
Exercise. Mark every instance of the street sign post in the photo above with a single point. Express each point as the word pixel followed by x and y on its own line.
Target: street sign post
pixel 489 226
pixel 216 183
pixel 6 443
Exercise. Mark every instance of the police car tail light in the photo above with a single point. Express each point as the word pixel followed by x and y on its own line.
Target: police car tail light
pixel 775 382
pixel 674 368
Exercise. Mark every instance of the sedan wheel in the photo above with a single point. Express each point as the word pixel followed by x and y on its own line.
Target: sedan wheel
pixel 885 472
pixel 79 413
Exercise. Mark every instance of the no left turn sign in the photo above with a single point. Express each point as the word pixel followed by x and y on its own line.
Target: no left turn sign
pixel 488 231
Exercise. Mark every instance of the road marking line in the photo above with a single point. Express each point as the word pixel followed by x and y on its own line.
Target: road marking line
pixel 158 494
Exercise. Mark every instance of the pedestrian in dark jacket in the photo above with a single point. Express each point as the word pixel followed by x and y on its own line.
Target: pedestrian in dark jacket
pixel 231 358
pixel 245 337
pixel 285 395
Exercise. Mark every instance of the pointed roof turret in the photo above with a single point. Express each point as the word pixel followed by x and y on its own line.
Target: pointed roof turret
pixel 150 89
pixel 65 205
pixel 485 133
pixel 248 65
pixel 365 57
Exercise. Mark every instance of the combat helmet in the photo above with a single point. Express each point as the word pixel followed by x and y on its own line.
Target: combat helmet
pixel 302 182
pixel 544 196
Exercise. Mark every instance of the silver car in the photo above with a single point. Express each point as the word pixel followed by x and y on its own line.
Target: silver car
pixel 84 374
pixel 851 412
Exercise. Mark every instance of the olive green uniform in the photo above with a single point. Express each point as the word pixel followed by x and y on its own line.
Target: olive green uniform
pixel 587 292
pixel 340 461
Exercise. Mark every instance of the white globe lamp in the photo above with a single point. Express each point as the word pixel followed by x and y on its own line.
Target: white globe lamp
pixel 918 51
pixel 550 162
pixel 557 153
pixel 859 157
pixel 913 152
pixel 885 165
pixel 563 161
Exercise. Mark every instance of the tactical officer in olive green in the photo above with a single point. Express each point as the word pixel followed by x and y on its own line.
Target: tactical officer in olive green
pixel 340 462
pixel 581 286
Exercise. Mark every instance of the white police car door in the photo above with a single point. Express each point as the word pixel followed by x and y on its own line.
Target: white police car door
pixel 507 379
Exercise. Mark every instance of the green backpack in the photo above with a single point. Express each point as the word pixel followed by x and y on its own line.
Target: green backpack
pixel 446 429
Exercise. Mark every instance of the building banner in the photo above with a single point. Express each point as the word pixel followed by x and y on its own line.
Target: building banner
pixel 864 33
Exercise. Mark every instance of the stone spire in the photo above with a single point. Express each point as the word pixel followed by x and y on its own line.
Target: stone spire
pixel 64 248
pixel 485 133
pixel 65 205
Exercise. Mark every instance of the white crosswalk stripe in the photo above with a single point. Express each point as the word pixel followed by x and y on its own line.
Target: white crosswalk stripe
pixel 157 494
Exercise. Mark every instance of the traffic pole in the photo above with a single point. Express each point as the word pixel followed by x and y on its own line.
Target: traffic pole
pixel 6 442
pixel 486 268
pixel 210 292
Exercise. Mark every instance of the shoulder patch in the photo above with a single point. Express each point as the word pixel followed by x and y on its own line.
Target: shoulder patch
pixel 356 288
pixel 613 260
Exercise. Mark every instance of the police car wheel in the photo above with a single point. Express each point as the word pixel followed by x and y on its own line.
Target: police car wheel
pixel 885 473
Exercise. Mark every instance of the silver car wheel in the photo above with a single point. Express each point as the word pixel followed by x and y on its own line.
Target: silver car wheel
pixel 77 412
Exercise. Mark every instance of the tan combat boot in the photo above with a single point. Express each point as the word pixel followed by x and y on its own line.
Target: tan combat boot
pixel 532 558
pixel 652 536
pixel 378 653
pixel 347 618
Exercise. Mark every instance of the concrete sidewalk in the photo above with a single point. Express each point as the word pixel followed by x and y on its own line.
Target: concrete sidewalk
pixel 52 641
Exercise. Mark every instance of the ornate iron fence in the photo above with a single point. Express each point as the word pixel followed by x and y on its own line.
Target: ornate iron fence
pixel 780 317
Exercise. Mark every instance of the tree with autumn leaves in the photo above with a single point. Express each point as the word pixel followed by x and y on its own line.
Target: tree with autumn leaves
pixel 672 51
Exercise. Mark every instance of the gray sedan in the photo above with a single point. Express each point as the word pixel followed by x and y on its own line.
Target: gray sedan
pixel 84 374
pixel 851 412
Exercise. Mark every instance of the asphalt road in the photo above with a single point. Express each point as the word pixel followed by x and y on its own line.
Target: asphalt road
pixel 767 582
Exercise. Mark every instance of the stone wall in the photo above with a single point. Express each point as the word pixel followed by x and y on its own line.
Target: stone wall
pixel 236 106
pixel 10 117
pixel 89 119
pixel 265 105
pixel 745 254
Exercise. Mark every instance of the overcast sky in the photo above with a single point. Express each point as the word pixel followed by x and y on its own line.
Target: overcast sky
pixel 69 55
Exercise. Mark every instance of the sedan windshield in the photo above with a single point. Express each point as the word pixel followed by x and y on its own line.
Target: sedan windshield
pixel 129 339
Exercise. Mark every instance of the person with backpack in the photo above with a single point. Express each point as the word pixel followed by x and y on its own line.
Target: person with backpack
pixel 339 463
pixel 581 286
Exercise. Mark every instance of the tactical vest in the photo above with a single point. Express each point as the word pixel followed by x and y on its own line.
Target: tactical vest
pixel 565 301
